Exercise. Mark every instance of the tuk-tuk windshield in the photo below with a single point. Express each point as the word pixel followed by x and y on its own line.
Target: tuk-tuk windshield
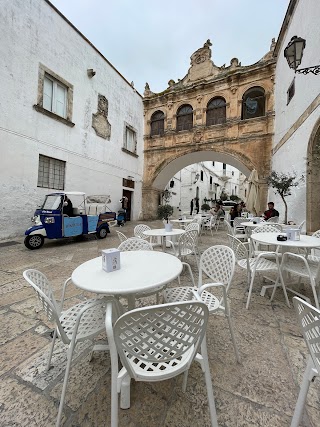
pixel 52 202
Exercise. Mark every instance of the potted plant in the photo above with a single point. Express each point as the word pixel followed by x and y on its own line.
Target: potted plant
pixel 205 207
pixel 164 212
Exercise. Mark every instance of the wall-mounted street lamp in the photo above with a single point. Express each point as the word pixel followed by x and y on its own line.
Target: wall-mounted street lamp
pixel 293 54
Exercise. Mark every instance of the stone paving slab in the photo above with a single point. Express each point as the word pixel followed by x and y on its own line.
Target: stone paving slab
pixel 260 391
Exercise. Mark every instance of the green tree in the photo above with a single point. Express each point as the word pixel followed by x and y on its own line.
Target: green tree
pixel 283 183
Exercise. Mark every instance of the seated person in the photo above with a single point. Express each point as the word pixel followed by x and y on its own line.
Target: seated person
pixel 271 212
pixel 220 213
pixel 234 212
pixel 67 206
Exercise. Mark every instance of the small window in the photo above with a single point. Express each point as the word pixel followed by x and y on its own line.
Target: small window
pixel 291 91
pixel 232 173
pixel 201 176
pixel 185 118
pixel 212 163
pixel 55 96
pixel 253 103
pixel 51 173
pixel 216 112
pixel 130 140
pixel 157 123
pixel 172 183
pixel 210 180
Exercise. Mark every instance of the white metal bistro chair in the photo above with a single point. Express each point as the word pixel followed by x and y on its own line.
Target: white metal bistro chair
pixel 193 226
pixel 186 245
pixel 135 244
pixel 138 232
pixel 209 224
pixel 122 237
pixel 217 263
pixel 309 320
pixel 264 228
pixel 256 265
pixel 314 255
pixel 299 266
pixel 157 343
pixel 233 232
pixel 273 220
pixel 81 322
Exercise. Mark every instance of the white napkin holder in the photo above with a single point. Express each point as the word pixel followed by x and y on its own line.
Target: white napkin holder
pixel 110 259
pixel 293 234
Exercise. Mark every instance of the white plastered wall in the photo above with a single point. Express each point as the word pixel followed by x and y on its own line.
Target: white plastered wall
pixel 33 33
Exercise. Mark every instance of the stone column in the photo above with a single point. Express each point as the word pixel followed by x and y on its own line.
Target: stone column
pixel 150 202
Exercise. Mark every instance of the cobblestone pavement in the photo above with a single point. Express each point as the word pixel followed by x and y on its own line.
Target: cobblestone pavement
pixel 261 391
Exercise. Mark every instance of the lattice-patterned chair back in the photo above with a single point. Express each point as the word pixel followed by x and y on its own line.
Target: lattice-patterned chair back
pixel 301 225
pixel 238 221
pixel 309 320
pixel 188 242
pixel 240 250
pixel 158 340
pixel 218 263
pixel 193 226
pixel 316 234
pixel 122 237
pixel 267 228
pixel 135 244
pixel 198 219
pixel 139 229
pixel 41 285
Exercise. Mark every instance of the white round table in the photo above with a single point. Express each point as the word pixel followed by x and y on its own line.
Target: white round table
pixel 271 239
pixel 163 233
pixel 140 271
pixel 182 222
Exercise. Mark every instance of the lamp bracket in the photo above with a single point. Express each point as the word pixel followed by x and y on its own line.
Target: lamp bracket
pixel 315 69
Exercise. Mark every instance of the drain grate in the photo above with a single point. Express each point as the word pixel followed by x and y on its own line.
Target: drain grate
pixel 4 244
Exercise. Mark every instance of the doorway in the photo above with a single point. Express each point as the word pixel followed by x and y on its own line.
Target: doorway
pixel 128 195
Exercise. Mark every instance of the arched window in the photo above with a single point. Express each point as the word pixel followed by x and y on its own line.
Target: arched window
pixel 216 111
pixel 185 118
pixel 253 103
pixel 157 123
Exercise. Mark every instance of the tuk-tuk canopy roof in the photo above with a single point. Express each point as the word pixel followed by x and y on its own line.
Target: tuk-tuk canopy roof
pixel 70 193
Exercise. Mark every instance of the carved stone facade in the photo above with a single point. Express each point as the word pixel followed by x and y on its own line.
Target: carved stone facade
pixel 235 137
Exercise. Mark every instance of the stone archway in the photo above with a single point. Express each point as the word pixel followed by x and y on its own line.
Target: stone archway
pixel 313 180
pixel 160 172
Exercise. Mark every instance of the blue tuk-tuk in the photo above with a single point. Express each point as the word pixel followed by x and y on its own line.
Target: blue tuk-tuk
pixel 69 214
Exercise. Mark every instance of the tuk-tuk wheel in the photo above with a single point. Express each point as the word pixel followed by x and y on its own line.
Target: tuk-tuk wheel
pixel 34 241
pixel 102 233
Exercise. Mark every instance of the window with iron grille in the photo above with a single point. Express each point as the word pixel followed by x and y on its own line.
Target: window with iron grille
pixel 253 103
pixel 51 173
pixel 185 118
pixel 291 91
pixel 157 123
pixel 216 112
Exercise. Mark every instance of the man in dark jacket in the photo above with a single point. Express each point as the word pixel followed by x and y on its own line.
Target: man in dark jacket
pixel 271 212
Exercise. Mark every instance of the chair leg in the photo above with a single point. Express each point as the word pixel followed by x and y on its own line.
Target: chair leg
pixel 185 380
pixel 308 376
pixel 51 349
pixel 212 406
pixel 315 296
pixel 250 290
pixel 125 392
pixel 233 339
pixel 65 382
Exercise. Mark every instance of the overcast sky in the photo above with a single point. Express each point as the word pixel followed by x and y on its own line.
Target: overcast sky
pixel 152 41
